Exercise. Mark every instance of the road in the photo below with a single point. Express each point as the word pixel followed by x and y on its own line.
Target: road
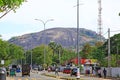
pixel 33 76
pixel 39 76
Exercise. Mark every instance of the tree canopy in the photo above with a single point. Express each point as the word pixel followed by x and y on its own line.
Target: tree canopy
pixel 9 5
pixel 10 52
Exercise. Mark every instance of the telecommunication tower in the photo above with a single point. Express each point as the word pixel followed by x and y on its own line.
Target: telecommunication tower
pixel 99 20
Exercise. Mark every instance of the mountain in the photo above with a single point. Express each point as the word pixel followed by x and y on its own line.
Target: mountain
pixel 67 37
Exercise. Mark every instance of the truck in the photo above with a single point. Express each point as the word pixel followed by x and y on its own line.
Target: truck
pixel 25 70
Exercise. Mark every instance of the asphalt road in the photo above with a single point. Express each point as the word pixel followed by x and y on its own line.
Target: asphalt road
pixel 33 76
pixel 38 76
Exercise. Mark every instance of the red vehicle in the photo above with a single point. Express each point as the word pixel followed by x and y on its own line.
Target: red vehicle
pixel 67 70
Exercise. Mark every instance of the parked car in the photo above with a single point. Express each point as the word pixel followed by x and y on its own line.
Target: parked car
pixel 67 70
pixel 73 72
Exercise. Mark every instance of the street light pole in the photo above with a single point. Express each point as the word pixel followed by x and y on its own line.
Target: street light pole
pixel 78 32
pixel 44 23
pixel 78 69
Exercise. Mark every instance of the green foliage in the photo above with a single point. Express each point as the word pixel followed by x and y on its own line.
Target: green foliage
pixel 57 48
pixel 114 49
pixel 113 60
pixel 86 50
pixel 9 5
pixel 38 55
pixel 114 42
pixel 94 52
pixel 60 53
pixel 67 55
pixel 10 52
pixel 100 51
pixel 99 55
pixel 57 52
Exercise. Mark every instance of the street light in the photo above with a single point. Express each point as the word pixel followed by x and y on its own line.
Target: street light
pixel 44 23
pixel 78 69
pixel 78 32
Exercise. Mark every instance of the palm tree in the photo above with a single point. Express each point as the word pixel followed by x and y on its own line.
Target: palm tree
pixel 52 45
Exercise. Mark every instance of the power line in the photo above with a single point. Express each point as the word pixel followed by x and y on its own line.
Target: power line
pixel 105 33
pixel 115 31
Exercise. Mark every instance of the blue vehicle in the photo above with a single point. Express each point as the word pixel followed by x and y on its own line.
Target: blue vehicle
pixel 18 70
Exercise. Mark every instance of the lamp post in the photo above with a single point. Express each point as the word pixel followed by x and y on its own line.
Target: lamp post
pixel 44 23
pixel 78 69
pixel 78 32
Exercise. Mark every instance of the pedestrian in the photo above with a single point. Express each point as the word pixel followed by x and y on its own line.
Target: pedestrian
pixel 94 72
pixel 56 71
pixel 99 72
pixel 104 72
pixel 49 69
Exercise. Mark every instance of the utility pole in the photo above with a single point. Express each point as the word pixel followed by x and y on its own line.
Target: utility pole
pixel 117 56
pixel 109 56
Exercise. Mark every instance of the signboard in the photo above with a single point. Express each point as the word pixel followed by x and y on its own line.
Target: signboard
pixel 2 61
pixel 88 61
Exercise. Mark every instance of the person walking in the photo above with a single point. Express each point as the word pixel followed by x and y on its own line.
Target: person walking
pixel 99 73
pixel 56 71
pixel 104 72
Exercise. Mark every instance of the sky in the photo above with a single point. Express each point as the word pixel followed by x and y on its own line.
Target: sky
pixel 63 13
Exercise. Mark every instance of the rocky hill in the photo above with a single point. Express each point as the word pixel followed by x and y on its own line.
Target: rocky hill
pixel 67 37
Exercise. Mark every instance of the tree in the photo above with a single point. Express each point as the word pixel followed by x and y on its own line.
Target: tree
pixel 86 50
pixel 98 44
pixel 67 55
pixel 9 5
pixel 38 55
pixel 99 54
pixel 16 52
pixel 10 52
pixel 53 45
pixel 114 48
pixel 114 42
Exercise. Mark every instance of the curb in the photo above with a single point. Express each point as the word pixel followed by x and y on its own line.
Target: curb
pixel 60 77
